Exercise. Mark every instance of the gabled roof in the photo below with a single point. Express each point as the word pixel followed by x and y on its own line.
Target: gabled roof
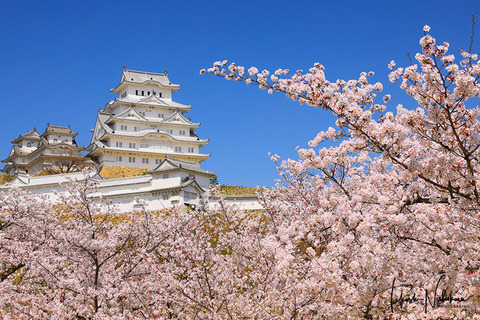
pixel 173 164
pixel 64 131
pixel 177 117
pixel 157 102
pixel 131 113
pixel 152 99
pixel 141 77
pixel 193 183
pixel 30 135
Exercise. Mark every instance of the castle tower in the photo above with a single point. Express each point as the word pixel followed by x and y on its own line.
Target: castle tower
pixel 54 151
pixel 143 125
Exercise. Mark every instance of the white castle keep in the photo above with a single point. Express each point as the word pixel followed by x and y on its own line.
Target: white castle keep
pixel 143 125
pixel 143 129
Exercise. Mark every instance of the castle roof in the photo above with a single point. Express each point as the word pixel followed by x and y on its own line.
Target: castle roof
pixel 64 131
pixel 149 101
pixel 173 164
pixel 142 78
pixel 30 135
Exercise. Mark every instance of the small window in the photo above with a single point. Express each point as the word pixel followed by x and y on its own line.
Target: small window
pixel 144 160
pixel 118 144
pixel 190 150
pixel 156 161
pixel 143 93
pixel 131 159
pixel 123 127
pixel 135 128
pixel 131 145
pixel 178 149
pixel 189 195
pixel 28 144
pixel 55 140
pixel 119 158
pixel 136 92
pixel 148 93
pixel 165 176
pixel 160 94
pixel 165 196
pixel 161 115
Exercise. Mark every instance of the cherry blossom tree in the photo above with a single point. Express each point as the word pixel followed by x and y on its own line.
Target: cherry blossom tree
pixel 75 257
pixel 388 217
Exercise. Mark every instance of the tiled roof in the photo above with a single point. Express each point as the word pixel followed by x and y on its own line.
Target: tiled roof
pixel 59 130
pixel 171 164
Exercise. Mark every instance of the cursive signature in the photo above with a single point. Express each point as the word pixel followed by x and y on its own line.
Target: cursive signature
pixel 428 300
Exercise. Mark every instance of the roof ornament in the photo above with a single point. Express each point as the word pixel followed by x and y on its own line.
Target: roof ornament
pixel 124 66
pixel 166 72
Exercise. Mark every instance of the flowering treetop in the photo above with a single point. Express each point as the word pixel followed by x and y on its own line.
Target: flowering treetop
pixel 397 199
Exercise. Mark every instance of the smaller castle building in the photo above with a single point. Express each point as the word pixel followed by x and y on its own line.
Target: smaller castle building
pixel 54 151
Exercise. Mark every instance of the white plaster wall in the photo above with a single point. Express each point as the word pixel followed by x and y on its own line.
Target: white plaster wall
pixel 166 94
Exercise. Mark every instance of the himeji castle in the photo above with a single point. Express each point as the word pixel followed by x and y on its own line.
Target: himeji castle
pixel 143 125
pixel 143 129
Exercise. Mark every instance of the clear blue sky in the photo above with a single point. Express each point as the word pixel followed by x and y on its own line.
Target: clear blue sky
pixel 60 58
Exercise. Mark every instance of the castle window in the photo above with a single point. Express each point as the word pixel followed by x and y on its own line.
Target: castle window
pixel 178 149
pixel 131 145
pixel 123 127
pixel 28 144
pixel 189 195
pixel 165 196
pixel 165 176
pixel 156 161
pixel 119 144
pixel 161 115
pixel 136 92
pixel 143 93
pixel 135 128
pixel 182 132
pixel 159 94
pixel 119 158
pixel 190 150
pixel 144 160
pixel 131 159
pixel 148 93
